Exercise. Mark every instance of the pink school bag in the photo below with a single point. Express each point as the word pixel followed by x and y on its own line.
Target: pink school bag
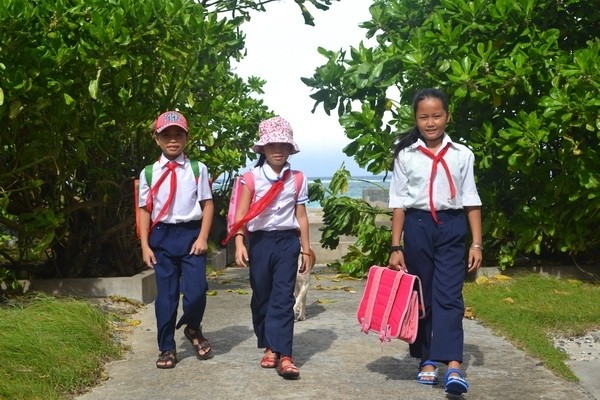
pixel 391 305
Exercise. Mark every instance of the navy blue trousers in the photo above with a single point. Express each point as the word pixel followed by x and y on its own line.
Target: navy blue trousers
pixel 177 271
pixel 273 268
pixel 436 254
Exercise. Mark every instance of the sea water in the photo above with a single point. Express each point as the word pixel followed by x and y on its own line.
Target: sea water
pixel 358 186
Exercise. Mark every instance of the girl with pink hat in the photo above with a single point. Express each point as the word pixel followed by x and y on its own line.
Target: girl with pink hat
pixel 276 237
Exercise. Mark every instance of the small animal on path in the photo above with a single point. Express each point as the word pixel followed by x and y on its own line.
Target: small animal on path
pixel 302 284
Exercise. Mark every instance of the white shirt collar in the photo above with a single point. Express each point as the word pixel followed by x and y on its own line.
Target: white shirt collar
pixel 446 139
pixel 272 175
pixel 164 160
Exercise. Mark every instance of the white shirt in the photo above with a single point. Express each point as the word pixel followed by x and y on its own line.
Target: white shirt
pixel 409 187
pixel 189 193
pixel 281 213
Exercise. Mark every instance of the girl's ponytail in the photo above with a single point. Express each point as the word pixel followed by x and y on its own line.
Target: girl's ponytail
pixel 261 160
pixel 406 139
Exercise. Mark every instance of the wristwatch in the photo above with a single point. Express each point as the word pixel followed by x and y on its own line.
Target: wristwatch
pixel 396 248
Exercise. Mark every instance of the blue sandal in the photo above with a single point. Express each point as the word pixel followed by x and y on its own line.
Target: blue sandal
pixel 428 377
pixel 455 385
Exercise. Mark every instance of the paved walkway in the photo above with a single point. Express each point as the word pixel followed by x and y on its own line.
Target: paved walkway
pixel 336 360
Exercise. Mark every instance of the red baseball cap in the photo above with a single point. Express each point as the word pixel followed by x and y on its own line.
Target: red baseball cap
pixel 170 118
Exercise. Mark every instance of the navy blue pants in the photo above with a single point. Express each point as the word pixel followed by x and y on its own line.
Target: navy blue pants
pixel 177 270
pixel 273 268
pixel 436 254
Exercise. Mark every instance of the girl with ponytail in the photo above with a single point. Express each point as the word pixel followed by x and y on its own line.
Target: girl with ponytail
pixel 433 195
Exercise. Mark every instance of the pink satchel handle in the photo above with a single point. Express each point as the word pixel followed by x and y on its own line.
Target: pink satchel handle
pixel 421 301
pixel 366 322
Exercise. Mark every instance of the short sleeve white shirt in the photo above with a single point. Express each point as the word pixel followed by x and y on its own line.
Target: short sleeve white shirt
pixel 189 192
pixel 281 213
pixel 409 187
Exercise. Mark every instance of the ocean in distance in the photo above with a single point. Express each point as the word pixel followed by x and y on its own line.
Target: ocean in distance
pixel 356 185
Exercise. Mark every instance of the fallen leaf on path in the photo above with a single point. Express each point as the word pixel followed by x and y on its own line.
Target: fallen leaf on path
pixel 346 288
pixel 123 299
pixel 346 277
pixel 123 328
pixel 325 301
pixel 238 291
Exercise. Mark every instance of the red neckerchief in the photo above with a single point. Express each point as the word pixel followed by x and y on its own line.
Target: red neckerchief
pixel 438 158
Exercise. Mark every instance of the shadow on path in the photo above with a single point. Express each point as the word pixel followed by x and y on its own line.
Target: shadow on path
pixel 311 342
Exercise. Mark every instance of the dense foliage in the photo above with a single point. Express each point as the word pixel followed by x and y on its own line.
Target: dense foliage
pixel 524 82
pixel 80 84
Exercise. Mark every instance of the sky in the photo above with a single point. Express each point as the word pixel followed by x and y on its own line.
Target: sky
pixel 281 49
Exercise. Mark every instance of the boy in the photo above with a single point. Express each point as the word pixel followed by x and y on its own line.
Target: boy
pixel 179 203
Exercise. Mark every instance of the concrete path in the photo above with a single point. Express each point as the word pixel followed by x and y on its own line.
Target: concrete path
pixel 336 360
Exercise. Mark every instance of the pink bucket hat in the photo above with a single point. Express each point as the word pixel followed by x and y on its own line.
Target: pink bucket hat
pixel 275 130
pixel 170 118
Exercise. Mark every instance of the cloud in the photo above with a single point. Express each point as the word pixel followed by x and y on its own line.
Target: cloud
pixel 281 49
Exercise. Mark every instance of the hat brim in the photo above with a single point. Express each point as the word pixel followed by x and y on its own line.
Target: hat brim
pixel 259 146
pixel 162 128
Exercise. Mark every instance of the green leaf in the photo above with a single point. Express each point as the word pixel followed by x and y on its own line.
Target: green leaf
pixel 93 88
pixel 68 99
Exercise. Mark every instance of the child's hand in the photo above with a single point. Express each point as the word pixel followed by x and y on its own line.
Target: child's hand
pixel 475 259
pixel 396 261
pixel 306 264
pixel 148 256
pixel 200 246
pixel 241 256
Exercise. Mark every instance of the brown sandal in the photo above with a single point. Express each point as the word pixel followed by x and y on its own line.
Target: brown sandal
pixel 269 359
pixel 167 359
pixel 287 369
pixel 202 346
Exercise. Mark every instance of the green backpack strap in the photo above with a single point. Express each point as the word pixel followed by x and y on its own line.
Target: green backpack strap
pixel 195 164
pixel 148 173
pixel 196 168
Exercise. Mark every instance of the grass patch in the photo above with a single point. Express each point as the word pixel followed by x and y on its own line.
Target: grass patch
pixel 528 309
pixel 52 347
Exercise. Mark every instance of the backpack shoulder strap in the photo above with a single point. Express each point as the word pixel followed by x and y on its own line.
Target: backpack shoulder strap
pixel 249 181
pixel 148 173
pixel 196 168
pixel 298 180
